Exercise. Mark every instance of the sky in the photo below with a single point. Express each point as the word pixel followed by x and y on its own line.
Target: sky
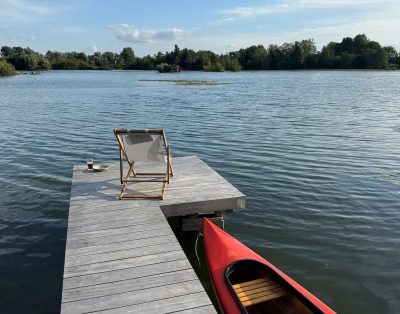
pixel 150 26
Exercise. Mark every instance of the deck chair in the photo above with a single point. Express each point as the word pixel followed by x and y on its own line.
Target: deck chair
pixel 143 146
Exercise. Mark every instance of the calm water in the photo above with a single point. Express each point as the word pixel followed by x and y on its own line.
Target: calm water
pixel 316 153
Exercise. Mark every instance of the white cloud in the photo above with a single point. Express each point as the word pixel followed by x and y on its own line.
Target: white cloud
pixel 245 12
pixel 94 49
pixel 18 39
pixel 287 6
pixel 20 11
pixel 324 3
pixel 380 30
pixel 130 34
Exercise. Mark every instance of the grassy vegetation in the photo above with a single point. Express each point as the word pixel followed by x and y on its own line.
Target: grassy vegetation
pixel 188 82
pixel 6 69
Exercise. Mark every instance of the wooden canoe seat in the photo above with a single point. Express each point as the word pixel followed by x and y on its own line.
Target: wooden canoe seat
pixel 259 290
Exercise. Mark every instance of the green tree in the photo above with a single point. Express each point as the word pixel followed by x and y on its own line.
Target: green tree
pixel 393 56
pixel 213 67
pixel 145 63
pixel 25 58
pixel 254 58
pixel 376 57
pixel 360 43
pixel 231 62
pixel 358 52
pixel 327 56
pixel 43 64
pixel 6 69
pixel 308 48
pixel 127 57
pixel 346 46
pixel 159 58
pixel 296 57
pixel 345 61
pixel 275 57
pixel 188 59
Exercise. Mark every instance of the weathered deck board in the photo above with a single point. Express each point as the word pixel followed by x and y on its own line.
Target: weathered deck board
pixel 121 246
pixel 134 297
pixel 122 256
pixel 124 274
pixel 140 283
pixel 188 303
pixel 115 236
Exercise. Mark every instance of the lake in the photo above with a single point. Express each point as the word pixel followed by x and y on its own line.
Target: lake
pixel 317 154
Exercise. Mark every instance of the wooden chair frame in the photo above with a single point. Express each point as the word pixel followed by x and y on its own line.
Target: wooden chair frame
pixel 123 156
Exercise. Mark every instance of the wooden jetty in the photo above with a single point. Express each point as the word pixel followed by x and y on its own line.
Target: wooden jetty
pixel 122 255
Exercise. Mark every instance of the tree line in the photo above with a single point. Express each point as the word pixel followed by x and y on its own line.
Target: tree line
pixel 351 53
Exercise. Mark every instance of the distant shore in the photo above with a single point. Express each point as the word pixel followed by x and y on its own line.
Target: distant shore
pixel 195 82
pixel 358 53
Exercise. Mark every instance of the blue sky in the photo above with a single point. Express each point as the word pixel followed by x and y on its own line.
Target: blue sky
pixel 151 26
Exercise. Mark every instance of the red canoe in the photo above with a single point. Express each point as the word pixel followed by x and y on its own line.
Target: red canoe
pixel 247 283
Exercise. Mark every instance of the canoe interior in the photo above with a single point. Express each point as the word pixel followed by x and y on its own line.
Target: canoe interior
pixel 258 289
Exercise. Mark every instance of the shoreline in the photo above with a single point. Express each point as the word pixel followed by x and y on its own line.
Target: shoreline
pixel 201 71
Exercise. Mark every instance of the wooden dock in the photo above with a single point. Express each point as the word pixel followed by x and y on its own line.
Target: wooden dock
pixel 122 256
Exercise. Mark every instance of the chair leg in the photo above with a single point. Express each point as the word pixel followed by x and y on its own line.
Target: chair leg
pixel 131 169
pixel 164 186
pixel 121 194
pixel 170 166
pixel 167 174
pixel 125 196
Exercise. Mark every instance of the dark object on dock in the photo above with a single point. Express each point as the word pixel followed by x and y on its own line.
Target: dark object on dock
pixel 143 146
pixel 247 283
pixel 168 68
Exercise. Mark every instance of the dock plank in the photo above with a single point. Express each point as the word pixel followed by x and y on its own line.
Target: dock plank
pixel 125 274
pixel 98 219
pixel 119 230
pixel 110 215
pixel 103 257
pixel 132 297
pixel 206 309
pixel 96 225
pixel 122 256
pixel 119 246
pixel 85 269
pixel 180 303
pixel 140 283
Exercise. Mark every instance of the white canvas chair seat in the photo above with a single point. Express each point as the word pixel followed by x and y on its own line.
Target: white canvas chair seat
pixel 144 147
pixel 147 146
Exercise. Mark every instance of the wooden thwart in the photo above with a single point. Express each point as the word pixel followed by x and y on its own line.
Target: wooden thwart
pixel 264 298
pixel 259 290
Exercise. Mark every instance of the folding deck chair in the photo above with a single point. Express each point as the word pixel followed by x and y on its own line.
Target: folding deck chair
pixel 143 146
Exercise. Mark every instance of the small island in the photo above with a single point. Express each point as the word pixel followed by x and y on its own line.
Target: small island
pixel 188 82
pixel 168 68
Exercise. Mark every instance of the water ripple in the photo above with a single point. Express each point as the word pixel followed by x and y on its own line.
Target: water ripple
pixel 316 153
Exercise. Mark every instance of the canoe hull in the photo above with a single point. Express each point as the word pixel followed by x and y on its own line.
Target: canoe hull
pixel 222 250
